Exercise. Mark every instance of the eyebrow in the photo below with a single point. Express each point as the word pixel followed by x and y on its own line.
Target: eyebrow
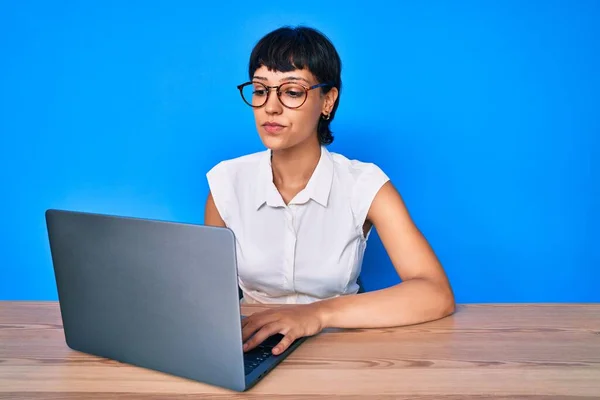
pixel 287 78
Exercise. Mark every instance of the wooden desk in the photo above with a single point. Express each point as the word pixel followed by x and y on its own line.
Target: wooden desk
pixel 483 351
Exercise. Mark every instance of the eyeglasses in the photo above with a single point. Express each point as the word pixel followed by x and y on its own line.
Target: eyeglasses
pixel 290 94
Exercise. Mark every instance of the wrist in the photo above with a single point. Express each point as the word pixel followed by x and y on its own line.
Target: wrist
pixel 324 312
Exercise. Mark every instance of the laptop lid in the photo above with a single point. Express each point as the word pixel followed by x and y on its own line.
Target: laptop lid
pixel 155 294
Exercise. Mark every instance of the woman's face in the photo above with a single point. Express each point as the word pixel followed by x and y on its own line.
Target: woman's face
pixel 280 127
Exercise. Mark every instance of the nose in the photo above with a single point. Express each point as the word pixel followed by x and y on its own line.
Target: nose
pixel 273 105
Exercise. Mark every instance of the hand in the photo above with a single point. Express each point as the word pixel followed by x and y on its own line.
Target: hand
pixel 293 322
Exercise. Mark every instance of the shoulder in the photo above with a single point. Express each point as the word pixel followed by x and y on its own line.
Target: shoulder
pixel 357 172
pixel 246 164
pixel 230 182
pixel 235 171
pixel 361 180
pixel 230 173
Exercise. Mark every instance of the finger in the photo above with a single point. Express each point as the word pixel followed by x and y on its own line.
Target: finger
pixel 251 317
pixel 250 329
pixel 262 335
pixel 245 321
pixel 256 322
pixel 284 343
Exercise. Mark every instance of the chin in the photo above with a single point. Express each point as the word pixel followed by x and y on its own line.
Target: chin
pixel 282 141
pixel 274 142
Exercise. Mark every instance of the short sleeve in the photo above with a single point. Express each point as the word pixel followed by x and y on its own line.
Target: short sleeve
pixel 219 183
pixel 369 179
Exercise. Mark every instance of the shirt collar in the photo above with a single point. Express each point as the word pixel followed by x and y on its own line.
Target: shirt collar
pixel 317 188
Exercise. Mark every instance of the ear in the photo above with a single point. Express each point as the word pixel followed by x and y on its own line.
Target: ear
pixel 330 99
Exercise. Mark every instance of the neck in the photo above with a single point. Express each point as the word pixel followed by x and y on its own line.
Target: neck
pixel 293 167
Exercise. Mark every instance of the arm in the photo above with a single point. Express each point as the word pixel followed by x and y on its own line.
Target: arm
pixel 211 214
pixel 424 294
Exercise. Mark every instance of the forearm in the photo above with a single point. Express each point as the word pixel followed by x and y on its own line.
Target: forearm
pixel 410 302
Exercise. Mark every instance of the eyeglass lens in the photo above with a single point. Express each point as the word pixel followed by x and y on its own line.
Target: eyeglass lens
pixel 290 94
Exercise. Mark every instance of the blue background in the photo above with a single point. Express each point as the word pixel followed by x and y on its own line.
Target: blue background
pixel 484 114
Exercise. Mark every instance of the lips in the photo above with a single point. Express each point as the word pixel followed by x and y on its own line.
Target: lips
pixel 273 127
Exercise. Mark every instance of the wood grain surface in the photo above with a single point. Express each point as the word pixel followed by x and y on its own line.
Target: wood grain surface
pixel 542 351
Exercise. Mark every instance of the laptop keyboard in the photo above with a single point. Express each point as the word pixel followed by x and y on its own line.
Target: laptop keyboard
pixel 255 357
pixel 260 353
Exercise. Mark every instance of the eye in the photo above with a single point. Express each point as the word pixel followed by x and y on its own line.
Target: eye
pixel 293 92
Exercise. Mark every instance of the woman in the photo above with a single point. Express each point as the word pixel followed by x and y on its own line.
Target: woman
pixel 302 215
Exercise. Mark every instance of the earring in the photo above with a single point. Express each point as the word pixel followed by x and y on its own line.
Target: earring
pixel 326 117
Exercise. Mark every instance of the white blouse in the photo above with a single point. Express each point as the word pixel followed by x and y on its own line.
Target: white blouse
pixel 308 250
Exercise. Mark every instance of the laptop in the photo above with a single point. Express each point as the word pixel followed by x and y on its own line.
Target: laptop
pixel 155 294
